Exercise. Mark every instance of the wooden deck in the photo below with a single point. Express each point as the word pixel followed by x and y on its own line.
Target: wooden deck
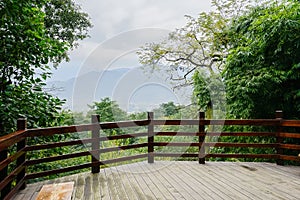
pixel 182 180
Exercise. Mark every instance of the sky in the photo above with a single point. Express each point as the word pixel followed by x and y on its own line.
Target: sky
pixel 120 27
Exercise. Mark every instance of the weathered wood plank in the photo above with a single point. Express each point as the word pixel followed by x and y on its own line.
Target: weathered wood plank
pixel 265 183
pixel 197 177
pixel 104 190
pixel 96 189
pixel 168 181
pixel 161 182
pixel 230 174
pixel 138 182
pixel 217 186
pixel 115 181
pixel 283 183
pixel 149 179
pixel 131 192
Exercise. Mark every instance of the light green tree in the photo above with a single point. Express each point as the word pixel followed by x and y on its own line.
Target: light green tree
pixel 200 46
pixel 109 111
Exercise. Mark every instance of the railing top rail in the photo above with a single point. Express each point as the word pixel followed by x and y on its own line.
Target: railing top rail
pixel 124 124
pixel 290 123
pixel 251 122
pixel 85 127
pixel 61 130
pixel 11 139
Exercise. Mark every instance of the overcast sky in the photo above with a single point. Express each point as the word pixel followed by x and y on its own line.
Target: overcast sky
pixel 120 27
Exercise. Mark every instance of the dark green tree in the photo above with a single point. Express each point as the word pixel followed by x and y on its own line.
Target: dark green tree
pixel 169 109
pixel 35 36
pixel 262 71
pixel 108 110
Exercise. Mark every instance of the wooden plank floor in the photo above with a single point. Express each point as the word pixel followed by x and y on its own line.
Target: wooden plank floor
pixel 182 180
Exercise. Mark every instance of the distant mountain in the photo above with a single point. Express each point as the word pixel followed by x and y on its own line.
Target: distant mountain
pixel 131 88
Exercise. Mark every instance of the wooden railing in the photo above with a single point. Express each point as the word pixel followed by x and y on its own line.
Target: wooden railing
pixel 13 165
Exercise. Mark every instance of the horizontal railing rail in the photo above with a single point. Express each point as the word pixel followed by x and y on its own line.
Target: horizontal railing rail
pixel 15 152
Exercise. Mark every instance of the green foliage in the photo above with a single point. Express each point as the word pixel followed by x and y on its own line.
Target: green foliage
pixel 195 54
pixel 169 109
pixel 138 116
pixel 255 47
pixel 258 57
pixel 262 69
pixel 201 93
pixel 34 37
pixel 65 21
pixel 71 118
pixel 108 110
pixel 38 107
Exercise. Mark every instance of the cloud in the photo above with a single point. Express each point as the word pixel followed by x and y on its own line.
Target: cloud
pixel 120 48
pixel 114 17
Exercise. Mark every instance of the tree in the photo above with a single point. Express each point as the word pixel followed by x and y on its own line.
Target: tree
pixel 262 71
pixel 108 110
pixel 35 36
pixel 166 110
pixel 169 108
pixel 200 46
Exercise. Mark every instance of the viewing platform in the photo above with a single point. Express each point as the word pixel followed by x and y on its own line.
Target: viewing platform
pixel 145 159
pixel 181 180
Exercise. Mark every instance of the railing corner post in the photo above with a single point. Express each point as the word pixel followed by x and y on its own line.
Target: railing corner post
pixel 150 138
pixel 279 139
pixel 201 130
pixel 95 119
pixel 21 125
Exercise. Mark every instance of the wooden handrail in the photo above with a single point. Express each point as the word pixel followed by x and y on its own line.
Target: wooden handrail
pixel 290 123
pixel 11 139
pixel 251 122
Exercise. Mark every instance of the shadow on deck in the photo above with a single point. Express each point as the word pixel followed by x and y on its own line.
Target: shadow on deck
pixel 182 180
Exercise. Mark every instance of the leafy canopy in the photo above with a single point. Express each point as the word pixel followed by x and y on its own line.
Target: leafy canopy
pixel 262 71
pixel 195 54
pixel 35 36
pixel 108 110
pixel 246 49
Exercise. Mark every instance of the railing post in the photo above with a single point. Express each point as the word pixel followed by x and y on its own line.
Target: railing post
pixel 96 144
pixel 279 139
pixel 3 174
pixel 21 125
pixel 150 138
pixel 201 130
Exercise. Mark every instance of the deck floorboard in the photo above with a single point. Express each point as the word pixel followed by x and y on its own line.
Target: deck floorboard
pixel 185 180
